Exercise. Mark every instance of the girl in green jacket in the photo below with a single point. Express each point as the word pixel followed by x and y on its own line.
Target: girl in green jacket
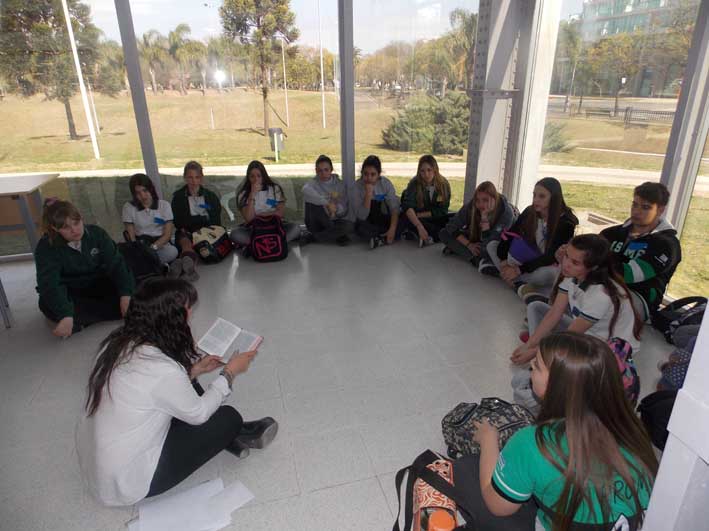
pixel 424 203
pixel 81 277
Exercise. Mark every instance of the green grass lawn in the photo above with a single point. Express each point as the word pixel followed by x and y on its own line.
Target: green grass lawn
pixel 35 137
pixel 101 199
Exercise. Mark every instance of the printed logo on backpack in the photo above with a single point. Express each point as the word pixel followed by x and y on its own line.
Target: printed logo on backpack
pixel 268 239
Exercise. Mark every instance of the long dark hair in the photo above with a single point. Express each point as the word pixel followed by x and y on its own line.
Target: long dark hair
pixel 557 208
pixel 488 188
pixel 440 184
pixel 157 316
pixel 372 161
pixel 140 179
pixel 244 190
pixel 598 259
pixel 585 403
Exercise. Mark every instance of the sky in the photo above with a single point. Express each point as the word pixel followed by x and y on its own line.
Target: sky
pixel 376 22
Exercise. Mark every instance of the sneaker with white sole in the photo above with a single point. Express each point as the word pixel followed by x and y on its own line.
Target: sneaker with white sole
pixel 375 242
pixel 259 433
pixel 188 269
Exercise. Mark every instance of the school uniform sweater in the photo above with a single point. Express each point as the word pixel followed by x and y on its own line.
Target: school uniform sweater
pixel 184 220
pixel 461 221
pixel 432 202
pixel 563 233
pixel 646 262
pixel 317 192
pixel 61 268
pixel 384 196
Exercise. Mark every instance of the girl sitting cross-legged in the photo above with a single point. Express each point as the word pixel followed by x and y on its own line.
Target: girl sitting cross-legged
pixel 586 465
pixel 148 423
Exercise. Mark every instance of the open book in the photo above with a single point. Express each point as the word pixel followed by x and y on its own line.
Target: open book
pixel 223 334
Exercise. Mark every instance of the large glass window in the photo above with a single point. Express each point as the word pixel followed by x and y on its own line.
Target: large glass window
pixel 612 103
pixel 216 90
pixel 44 126
pixel 692 276
pixel 413 65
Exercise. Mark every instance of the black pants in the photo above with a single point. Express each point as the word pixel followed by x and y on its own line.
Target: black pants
pixel 466 475
pixel 322 227
pixel 450 241
pixel 96 303
pixel 432 225
pixel 365 229
pixel 188 447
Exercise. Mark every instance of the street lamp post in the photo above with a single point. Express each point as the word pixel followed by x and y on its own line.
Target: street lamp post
pixel 285 80
pixel 322 71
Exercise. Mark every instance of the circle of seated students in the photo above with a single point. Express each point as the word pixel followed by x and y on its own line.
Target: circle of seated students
pixel 158 425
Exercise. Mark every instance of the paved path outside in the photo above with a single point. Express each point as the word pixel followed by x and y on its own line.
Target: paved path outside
pixel 452 170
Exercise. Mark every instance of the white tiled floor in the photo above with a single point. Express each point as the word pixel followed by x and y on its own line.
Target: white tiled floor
pixel 364 353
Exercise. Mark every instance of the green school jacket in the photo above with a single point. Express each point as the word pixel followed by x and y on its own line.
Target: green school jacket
pixel 60 267
pixel 436 205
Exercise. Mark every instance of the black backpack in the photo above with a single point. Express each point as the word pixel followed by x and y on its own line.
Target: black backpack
pixel 268 239
pixel 686 311
pixel 655 411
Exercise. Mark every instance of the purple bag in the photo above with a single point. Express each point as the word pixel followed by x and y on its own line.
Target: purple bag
pixel 520 249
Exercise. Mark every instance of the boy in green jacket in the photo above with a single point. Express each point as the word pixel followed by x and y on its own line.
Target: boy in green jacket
pixel 81 277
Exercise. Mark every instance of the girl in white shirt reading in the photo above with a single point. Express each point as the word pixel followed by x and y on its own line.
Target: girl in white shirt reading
pixel 148 423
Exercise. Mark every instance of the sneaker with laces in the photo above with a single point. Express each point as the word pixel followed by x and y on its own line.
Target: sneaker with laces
pixel 375 242
pixel 189 271
pixel 305 238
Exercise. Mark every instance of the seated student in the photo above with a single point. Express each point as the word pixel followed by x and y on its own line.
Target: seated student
pixel 326 206
pixel 646 248
pixel 81 277
pixel 149 219
pixel 258 195
pixel 148 423
pixel 194 207
pixel 375 204
pixel 476 225
pixel 587 463
pixel 588 298
pixel 425 203
pixel 545 225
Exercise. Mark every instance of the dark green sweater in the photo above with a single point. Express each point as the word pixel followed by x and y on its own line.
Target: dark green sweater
pixel 59 267
pixel 435 205
pixel 181 210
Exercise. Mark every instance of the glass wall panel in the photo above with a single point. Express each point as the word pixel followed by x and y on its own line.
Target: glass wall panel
pixel 617 76
pixel 215 87
pixel 44 124
pixel 413 65
pixel 692 276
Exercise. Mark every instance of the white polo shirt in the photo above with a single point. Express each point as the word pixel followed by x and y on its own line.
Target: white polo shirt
pixel 148 222
pixel 595 305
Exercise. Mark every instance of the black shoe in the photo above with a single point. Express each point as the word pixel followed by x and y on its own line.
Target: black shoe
pixel 343 241
pixel 375 242
pixel 258 434
pixel 447 251
pixel 305 238
pixel 238 448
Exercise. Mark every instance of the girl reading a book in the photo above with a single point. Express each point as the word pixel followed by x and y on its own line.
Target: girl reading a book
pixel 587 463
pixel 148 423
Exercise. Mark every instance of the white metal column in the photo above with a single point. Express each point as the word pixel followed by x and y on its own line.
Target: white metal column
pixel 492 92
pixel 690 126
pixel 534 70
pixel 347 86
pixel 137 90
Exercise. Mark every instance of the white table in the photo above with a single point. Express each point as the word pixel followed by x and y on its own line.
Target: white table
pixel 21 186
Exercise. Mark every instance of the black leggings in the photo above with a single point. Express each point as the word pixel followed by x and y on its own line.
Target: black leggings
pixel 322 227
pixel 96 303
pixel 188 447
pixel 432 225
pixel 466 476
